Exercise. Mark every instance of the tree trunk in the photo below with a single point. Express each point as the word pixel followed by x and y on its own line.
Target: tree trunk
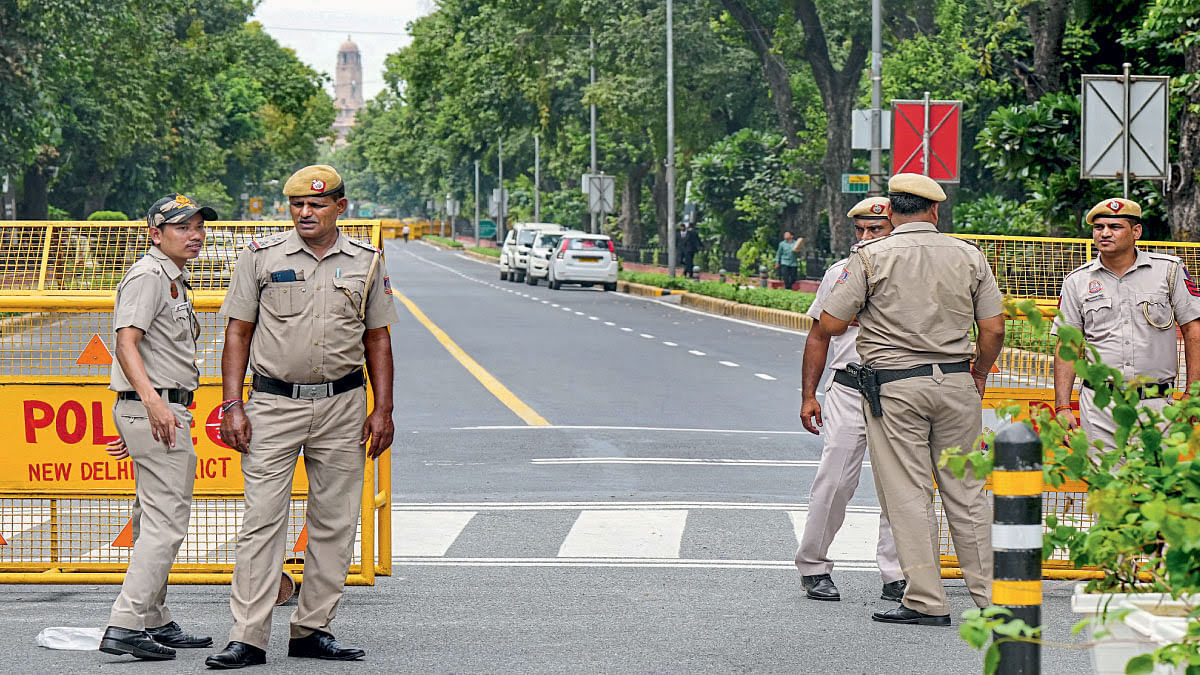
pixel 1183 201
pixel 630 220
pixel 776 73
pixel 96 192
pixel 34 203
pixel 1047 24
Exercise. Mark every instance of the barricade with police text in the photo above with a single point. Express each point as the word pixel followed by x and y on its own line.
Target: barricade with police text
pixel 65 505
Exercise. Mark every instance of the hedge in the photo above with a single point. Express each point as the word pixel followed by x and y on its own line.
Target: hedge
pixel 775 298
pixel 444 241
pixel 486 250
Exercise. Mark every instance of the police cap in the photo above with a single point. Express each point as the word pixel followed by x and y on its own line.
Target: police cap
pixel 869 208
pixel 917 185
pixel 176 208
pixel 317 180
pixel 1115 207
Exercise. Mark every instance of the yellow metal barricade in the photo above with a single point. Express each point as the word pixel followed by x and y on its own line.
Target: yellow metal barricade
pixel 1034 268
pixel 393 228
pixel 65 505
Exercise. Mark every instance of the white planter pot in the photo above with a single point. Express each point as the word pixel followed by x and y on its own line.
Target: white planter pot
pixel 1159 622
pixel 1111 652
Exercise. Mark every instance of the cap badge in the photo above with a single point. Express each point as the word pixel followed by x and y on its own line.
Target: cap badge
pixel 1115 206
pixel 318 185
pixel 1095 287
pixel 877 208
pixel 182 201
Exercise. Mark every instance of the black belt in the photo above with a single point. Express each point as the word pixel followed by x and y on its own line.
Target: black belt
pixel 270 385
pixel 181 396
pixel 1143 392
pixel 885 376
pixel 845 379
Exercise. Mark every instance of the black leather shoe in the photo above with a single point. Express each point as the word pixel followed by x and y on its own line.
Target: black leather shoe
pixel 322 645
pixel 894 590
pixel 172 635
pixel 820 587
pixel 136 643
pixel 236 655
pixel 903 614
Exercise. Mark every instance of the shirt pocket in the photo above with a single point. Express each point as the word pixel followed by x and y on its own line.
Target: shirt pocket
pixel 1155 308
pixel 284 299
pixel 1096 311
pixel 348 296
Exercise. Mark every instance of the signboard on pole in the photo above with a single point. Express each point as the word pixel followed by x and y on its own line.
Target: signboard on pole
pixel 860 130
pixel 1124 127
pixel 601 192
pixel 926 138
pixel 496 209
pixel 855 183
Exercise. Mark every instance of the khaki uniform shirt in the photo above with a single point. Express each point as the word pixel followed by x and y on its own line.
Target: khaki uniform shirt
pixel 916 293
pixel 841 347
pixel 309 330
pixel 152 296
pixel 1131 319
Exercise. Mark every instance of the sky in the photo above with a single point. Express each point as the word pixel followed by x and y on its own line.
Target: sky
pixel 315 31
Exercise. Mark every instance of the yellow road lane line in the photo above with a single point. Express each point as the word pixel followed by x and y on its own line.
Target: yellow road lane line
pixel 485 378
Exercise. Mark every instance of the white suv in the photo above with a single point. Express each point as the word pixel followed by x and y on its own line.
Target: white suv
pixel 539 256
pixel 518 254
pixel 507 254
pixel 584 259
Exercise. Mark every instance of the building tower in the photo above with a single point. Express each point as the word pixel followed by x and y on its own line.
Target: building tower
pixel 347 89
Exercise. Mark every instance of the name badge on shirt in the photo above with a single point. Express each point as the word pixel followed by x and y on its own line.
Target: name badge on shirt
pixel 181 307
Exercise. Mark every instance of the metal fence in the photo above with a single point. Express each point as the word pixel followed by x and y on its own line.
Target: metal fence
pixel 64 504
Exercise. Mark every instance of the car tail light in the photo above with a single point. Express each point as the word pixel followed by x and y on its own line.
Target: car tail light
pixel 562 249
pixel 612 250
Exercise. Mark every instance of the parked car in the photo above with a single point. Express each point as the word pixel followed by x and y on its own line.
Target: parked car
pixel 508 254
pixel 543 248
pixel 525 233
pixel 584 259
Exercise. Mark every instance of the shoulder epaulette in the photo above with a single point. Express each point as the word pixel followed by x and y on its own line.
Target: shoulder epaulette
pixel 1084 265
pixel 863 244
pixel 272 240
pixel 1164 256
pixel 363 244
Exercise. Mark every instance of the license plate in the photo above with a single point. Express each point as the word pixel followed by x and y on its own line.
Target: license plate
pixel 581 259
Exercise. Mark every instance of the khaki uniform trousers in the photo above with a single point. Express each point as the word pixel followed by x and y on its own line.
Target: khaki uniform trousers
pixel 1099 424
pixel 921 417
pixel 329 429
pixel 845 434
pixel 163 479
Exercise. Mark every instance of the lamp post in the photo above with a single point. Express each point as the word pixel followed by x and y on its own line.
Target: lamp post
pixel 671 252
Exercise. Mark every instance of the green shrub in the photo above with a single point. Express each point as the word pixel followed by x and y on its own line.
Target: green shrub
pixel 775 298
pixel 108 215
pixel 485 250
pixel 444 241
pixel 56 213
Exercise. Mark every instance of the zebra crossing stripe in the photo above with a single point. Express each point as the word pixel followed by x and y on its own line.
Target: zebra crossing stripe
pixel 427 533
pixel 625 534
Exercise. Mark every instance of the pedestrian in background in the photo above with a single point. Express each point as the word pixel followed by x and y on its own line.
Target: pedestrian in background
pixel 785 260
pixel 916 295
pixel 404 231
pixel 155 377
pixel 689 246
pixel 845 438
pixel 305 308
pixel 1127 303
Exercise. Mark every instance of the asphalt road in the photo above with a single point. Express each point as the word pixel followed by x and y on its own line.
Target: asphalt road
pixel 624 497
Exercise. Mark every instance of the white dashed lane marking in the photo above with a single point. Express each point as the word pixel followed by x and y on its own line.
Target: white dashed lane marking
pixel 696 352
pixel 764 376
pixel 647 336
pixel 670 344
pixel 731 364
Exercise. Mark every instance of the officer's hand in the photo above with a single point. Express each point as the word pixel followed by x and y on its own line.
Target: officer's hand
pixel 1067 419
pixel 116 449
pixel 810 409
pixel 980 382
pixel 235 429
pixel 379 429
pixel 163 422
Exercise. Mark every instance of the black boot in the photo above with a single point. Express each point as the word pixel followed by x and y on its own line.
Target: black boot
pixel 236 655
pixel 136 643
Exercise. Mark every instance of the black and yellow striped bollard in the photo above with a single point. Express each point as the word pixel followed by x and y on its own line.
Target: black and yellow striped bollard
pixel 1017 539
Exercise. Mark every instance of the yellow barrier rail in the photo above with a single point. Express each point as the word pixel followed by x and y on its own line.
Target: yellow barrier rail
pixel 64 504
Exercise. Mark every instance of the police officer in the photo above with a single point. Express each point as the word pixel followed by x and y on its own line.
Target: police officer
pixel 306 308
pixel 1127 303
pixel 155 376
pixel 845 434
pixel 916 294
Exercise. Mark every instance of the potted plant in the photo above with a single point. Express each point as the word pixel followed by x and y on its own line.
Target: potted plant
pixel 1144 499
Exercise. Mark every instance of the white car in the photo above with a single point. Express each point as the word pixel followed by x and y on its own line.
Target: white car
pixel 507 255
pixel 518 253
pixel 543 247
pixel 584 259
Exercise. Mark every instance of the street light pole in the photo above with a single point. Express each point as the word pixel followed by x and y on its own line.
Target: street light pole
pixel 476 203
pixel 537 180
pixel 876 97
pixel 592 107
pixel 671 252
pixel 500 206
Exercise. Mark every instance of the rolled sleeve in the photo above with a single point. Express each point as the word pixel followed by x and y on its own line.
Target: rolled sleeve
pixel 1186 299
pixel 381 306
pixel 137 302
pixel 849 293
pixel 241 301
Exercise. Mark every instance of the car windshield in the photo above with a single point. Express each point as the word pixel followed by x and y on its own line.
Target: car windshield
pixel 525 237
pixel 549 240
pixel 588 244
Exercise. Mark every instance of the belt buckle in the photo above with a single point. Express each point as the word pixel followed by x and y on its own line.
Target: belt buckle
pixel 310 391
